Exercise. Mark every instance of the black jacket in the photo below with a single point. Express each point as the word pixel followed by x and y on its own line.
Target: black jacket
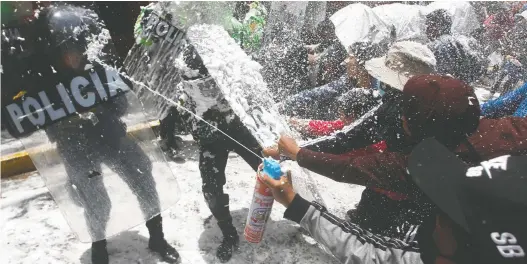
pixel 40 53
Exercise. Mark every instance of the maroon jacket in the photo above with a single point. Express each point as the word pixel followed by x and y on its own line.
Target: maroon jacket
pixel 387 170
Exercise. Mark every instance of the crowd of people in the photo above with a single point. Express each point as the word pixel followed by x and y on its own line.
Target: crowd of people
pixel 374 104
pixel 434 83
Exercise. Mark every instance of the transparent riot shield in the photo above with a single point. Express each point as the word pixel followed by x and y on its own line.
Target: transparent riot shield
pixel 82 124
pixel 157 57
pixel 104 169
pixel 236 77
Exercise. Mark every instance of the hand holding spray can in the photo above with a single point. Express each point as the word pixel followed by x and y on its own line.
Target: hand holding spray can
pixel 262 203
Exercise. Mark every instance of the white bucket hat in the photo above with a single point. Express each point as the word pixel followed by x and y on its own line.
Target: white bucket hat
pixel 403 60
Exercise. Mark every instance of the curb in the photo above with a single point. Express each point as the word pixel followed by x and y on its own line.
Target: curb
pixel 20 162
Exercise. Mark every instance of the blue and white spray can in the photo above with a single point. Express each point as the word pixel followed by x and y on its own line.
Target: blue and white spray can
pixel 262 203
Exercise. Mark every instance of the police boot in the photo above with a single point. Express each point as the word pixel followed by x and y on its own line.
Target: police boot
pixel 219 206
pixel 230 242
pixel 99 254
pixel 157 242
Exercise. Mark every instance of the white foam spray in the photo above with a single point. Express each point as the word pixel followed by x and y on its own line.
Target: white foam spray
pixel 180 106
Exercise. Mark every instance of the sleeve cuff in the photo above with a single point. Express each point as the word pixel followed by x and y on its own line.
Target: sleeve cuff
pixel 297 209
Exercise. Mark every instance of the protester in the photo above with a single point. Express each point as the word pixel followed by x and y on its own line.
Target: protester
pixel 386 75
pixel 420 100
pixel 380 210
pixel 433 106
pixel 459 56
pixel 316 103
pixel 319 102
pixel 361 53
pixel 445 237
pixel 326 72
pixel 403 60
pixel 453 120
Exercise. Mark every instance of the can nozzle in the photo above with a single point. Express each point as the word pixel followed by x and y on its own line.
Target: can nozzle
pixel 272 168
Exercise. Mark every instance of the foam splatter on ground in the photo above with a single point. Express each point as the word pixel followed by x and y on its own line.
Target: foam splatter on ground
pixel 34 231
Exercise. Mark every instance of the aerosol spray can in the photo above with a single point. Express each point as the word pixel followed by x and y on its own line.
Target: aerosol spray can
pixel 262 203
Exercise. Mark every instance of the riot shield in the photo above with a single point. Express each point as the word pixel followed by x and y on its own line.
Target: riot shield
pixel 234 74
pixel 157 58
pixel 85 130
pixel 238 78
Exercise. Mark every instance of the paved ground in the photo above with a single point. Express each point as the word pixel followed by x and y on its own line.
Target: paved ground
pixel 33 229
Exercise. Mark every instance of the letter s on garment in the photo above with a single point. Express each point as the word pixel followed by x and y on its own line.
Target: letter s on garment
pixel 503 238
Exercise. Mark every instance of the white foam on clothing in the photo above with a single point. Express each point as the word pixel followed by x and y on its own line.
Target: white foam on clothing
pixel 239 79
